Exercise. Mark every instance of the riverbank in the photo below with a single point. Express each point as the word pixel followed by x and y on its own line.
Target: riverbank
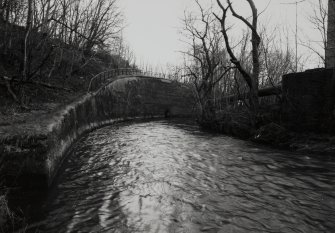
pixel 305 142
pixel 271 132
pixel 171 176
pixel 36 140
pixel 271 135
pixel 34 145
pixel 24 131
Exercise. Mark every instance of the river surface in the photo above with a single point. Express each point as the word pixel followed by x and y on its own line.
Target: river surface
pixel 165 176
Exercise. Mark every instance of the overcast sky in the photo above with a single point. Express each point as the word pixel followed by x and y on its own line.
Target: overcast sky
pixel 153 26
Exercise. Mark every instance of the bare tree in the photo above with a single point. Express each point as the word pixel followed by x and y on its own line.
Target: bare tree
pixel 319 21
pixel 206 64
pixel 275 60
pixel 46 37
pixel 26 39
pixel 250 78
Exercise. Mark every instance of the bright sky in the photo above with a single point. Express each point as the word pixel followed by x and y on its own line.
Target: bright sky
pixel 153 26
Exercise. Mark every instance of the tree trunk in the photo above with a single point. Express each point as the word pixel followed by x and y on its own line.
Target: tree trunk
pixel 26 41
pixel 255 40
pixel 26 62
pixel 330 51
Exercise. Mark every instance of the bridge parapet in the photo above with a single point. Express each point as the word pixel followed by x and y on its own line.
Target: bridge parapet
pixel 109 76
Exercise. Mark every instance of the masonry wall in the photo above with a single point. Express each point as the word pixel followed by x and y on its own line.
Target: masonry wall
pixel 330 50
pixel 32 160
pixel 310 100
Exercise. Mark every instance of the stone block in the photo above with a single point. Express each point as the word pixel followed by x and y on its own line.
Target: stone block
pixel 309 100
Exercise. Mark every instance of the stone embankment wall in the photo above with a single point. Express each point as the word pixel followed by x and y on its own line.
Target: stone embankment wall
pixel 310 100
pixel 32 156
pixel 330 50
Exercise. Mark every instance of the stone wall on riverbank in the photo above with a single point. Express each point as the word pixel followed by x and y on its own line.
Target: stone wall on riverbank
pixel 32 152
pixel 310 100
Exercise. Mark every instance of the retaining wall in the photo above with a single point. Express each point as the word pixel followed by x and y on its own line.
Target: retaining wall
pixel 32 157
pixel 310 100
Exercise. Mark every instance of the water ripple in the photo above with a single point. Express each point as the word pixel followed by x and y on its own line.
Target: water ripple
pixel 171 177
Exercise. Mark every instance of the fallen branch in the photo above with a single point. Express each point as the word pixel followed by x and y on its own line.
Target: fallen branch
pixel 275 90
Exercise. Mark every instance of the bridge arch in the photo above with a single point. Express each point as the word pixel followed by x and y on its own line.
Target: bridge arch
pixel 113 96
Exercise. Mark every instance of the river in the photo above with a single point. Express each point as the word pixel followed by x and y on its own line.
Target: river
pixel 169 176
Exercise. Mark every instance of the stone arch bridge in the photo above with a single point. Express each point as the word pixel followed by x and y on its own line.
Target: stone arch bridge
pixel 112 96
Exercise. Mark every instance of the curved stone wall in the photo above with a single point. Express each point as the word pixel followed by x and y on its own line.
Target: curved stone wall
pixel 34 158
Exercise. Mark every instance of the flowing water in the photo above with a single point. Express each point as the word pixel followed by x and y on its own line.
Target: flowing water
pixel 166 176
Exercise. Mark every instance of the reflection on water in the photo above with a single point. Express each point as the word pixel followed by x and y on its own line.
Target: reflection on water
pixel 170 177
